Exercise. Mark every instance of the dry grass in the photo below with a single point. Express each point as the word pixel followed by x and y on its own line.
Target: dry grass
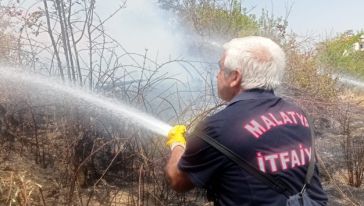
pixel 18 189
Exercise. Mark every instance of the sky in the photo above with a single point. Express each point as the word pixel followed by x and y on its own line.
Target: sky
pixel 317 18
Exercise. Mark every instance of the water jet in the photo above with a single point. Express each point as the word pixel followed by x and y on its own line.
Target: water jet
pixel 116 108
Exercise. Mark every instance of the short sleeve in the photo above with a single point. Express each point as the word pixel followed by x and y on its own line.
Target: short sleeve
pixel 201 161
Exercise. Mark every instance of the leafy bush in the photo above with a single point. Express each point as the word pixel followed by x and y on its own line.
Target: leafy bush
pixel 339 54
pixel 303 73
pixel 224 19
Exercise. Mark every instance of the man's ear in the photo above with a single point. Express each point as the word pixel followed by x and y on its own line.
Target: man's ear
pixel 235 78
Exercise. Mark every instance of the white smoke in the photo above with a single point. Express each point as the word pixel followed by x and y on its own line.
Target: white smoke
pixel 142 25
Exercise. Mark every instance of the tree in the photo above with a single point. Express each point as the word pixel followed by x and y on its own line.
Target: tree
pixel 339 54
pixel 211 18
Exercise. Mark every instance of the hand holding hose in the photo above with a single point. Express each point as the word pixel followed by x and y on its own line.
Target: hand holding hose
pixel 176 137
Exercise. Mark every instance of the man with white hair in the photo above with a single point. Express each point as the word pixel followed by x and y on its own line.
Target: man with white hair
pixel 260 127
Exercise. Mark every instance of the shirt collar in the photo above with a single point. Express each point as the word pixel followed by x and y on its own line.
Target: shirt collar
pixel 253 94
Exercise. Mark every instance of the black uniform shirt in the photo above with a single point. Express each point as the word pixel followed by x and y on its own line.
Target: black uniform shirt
pixel 263 129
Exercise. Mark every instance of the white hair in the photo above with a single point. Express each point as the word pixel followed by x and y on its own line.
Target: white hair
pixel 260 60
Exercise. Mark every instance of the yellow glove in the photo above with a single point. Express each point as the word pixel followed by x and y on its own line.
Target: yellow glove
pixel 176 137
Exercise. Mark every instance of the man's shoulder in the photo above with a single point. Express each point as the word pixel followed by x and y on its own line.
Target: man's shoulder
pixel 218 115
pixel 291 104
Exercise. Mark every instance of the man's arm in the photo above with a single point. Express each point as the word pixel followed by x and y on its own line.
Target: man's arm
pixel 178 179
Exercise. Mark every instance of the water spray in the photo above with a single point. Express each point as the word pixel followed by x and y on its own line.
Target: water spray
pixel 116 108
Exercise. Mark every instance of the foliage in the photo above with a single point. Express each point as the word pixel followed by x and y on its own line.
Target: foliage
pixel 226 19
pixel 338 53
pixel 221 19
pixel 302 73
